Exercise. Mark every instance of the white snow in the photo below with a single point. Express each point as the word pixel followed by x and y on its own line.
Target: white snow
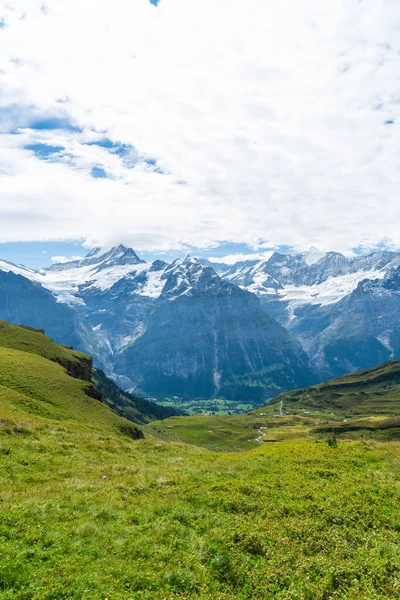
pixel 312 256
pixel 103 279
pixel 154 285
pixel 262 285
pixel 19 270
pixel 329 292
pixel 384 339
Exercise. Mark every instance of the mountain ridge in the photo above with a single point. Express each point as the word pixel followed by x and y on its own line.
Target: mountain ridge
pixel 130 315
pixel 114 297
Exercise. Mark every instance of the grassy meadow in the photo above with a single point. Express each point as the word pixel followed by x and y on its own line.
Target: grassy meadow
pixel 86 516
pixel 196 510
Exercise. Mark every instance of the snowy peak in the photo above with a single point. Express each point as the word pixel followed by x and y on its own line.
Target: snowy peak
pixel 121 256
pixel 387 284
pixel 255 278
pixel 118 255
pixel 30 274
pixel 188 277
pixel 313 256
pixel 152 281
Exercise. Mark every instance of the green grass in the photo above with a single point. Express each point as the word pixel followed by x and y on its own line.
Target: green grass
pixel 86 516
pixel 138 410
pixel 220 433
pixel 88 513
pixel 32 341
pixel 34 386
pixel 231 434
pixel 208 406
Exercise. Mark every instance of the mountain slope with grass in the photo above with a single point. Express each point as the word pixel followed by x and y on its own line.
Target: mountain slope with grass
pixel 35 341
pixel 127 405
pixel 361 404
pixel 79 365
pixel 362 393
pixel 41 379
pixel 88 512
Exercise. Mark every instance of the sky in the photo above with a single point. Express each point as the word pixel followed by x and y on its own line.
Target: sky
pixel 38 255
pixel 214 127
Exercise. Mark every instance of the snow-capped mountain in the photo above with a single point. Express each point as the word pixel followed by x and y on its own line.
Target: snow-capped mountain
pixel 171 329
pixel 360 331
pixel 24 301
pixel 310 292
pixel 309 277
pixel 153 325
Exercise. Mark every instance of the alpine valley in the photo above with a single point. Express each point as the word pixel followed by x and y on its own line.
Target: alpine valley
pixel 195 329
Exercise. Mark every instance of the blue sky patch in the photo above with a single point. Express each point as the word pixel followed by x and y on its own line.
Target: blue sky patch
pixel 154 2
pixel 103 143
pixel 114 147
pixel 52 123
pixel 39 254
pixel 44 150
pixel 98 173
pixel 152 162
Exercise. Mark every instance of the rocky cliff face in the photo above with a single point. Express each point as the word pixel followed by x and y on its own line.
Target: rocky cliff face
pixel 206 337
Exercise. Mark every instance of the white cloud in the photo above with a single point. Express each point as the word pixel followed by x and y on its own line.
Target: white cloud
pixel 272 113
pixel 65 259
pixel 231 259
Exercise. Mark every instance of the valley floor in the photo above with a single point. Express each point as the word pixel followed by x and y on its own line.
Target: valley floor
pixel 85 516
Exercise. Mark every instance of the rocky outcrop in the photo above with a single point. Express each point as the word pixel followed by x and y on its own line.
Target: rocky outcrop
pixel 80 369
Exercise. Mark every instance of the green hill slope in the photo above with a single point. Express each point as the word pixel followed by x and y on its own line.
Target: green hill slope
pixel 30 340
pixel 36 380
pixel 88 513
pixel 79 365
pixel 138 410
pixel 365 403
pixel 370 392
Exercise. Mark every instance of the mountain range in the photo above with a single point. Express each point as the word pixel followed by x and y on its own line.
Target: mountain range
pixel 344 311
pixel 197 329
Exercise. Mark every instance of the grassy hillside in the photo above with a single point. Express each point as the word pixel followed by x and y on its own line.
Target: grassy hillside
pixel 33 341
pixel 127 405
pixel 366 403
pixel 79 365
pixel 363 393
pixel 220 433
pixel 88 513
pixel 35 382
